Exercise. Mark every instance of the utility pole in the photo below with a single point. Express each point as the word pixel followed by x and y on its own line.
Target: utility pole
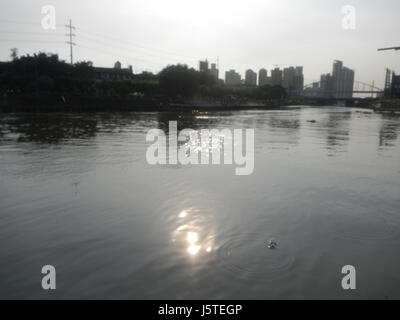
pixel 70 42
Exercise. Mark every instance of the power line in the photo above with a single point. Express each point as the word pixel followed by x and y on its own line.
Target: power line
pixel 136 45
pixel 31 41
pixel 24 22
pixel 108 42
pixel 19 22
pixel 143 47
pixel 71 44
pixel 32 33
pixel 127 49
pixel 111 54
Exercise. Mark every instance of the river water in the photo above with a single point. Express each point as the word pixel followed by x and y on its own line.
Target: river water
pixel 76 192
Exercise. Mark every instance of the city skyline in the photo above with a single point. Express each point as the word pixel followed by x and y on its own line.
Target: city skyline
pixel 290 78
pixel 337 84
pixel 150 35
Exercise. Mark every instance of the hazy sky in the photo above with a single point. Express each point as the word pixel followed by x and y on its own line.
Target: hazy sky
pixel 149 34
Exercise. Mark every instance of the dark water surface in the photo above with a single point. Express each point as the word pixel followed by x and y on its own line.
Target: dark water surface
pixel 76 192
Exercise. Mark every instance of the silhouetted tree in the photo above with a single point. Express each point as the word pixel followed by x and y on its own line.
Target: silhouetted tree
pixel 14 53
pixel 278 92
pixel 83 70
pixel 206 79
pixel 46 73
pixel 270 92
pixel 179 80
pixel 45 83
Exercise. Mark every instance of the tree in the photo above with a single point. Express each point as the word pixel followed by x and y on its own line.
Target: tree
pixel 14 53
pixel 83 70
pixel 179 80
pixel 45 83
pixel 278 92
pixel 271 92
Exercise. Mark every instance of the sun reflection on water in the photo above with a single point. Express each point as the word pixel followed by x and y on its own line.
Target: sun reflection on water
pixel 183 214
pixel 192 232
pixel 193 250
pixel 181 228
pixel 192 237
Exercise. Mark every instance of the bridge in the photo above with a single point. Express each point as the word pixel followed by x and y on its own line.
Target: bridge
pixel 314 90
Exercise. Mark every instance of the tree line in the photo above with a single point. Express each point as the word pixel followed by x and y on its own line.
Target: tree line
pixel 44 73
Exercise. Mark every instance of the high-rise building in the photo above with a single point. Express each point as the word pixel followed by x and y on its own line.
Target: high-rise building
pixel 289 79
pixel 232 78
pixel 293 80
pixel 251 78
pixel 214 71
pixel 395 86
pixel 299 80
pixel 203 65
pixel 262 77
pixel 326 85
pixel 343 80
pixel 312 90
pixel 276 77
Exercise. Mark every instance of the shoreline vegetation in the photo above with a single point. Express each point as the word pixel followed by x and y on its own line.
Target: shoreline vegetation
pixel 43 83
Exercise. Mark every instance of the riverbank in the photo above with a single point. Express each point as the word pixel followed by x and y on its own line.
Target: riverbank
pixel 384 106
pixel 79 103
pixel 391 106
pixel 82 103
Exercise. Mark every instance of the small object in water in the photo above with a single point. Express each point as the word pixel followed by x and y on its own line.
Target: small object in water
pixel 272 244
pixel 312 121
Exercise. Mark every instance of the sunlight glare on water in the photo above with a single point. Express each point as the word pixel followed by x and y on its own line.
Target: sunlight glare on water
pixel 77 192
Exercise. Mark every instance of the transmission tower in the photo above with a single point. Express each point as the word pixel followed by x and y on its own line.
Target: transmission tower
pixel 70 42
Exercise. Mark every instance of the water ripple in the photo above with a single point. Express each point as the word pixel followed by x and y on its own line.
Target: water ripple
pixel 247 257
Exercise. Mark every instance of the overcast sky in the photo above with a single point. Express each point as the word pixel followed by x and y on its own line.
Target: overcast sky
pixel 149 34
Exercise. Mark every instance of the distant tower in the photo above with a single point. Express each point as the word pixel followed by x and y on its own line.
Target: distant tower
pixel 232 78
pixel 388 79
pixel 262 77
pixel 203 66
pixel 276 77
pixel 214 71
pixel 343 80
pixel 299 80
pixel 251 78
pixel 117 65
